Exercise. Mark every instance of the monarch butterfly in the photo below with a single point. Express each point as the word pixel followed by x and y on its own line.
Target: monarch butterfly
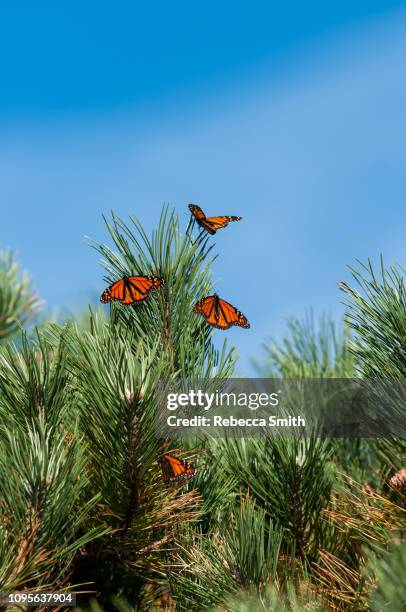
pixel 131 289
pixel 220 313
pixel 175 469
pixel 210 224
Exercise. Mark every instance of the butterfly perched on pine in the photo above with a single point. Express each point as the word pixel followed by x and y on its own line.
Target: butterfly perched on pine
pixel 210 224
pixel 220 313
pixel 175 469
pixel 131 290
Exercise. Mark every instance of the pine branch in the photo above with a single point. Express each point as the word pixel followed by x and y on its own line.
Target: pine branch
pixel 18 303
pixel 309 350
pixel 376 312
pixel 167 316
pixel 390 570
pixel 43 514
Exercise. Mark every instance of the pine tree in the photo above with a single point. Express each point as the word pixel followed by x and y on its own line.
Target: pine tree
pixel 82 497
pixel 272 523
pixel 316 494
pixel 18 303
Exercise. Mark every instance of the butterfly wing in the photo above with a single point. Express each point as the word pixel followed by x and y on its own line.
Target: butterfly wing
pixel 197 212
pixel 216 223
pixel 139 287
pixel 131 290
pixel 229 315
pixel 220 313
pixel 200 218
pixel 116 291
pixel 175 469
pixel 210 224
pixel 205 307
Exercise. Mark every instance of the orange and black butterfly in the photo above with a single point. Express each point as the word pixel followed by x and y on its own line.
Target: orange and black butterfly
pixel 220 313
pixel 210 224
pixel 175 469
pixel 131 290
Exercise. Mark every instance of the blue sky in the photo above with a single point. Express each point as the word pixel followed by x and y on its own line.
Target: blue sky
pixel 293 117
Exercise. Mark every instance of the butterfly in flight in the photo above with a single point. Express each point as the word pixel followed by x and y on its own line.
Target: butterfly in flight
pixel 131 290
pixel 210 224
pixel 220 313
pixel 175 469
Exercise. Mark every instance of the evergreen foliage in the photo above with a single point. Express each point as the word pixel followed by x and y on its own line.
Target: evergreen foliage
pixel 18 303
pixel 390 571
pixel 270 523
pixel 376 309
pixel 309 350
pixel 44 508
